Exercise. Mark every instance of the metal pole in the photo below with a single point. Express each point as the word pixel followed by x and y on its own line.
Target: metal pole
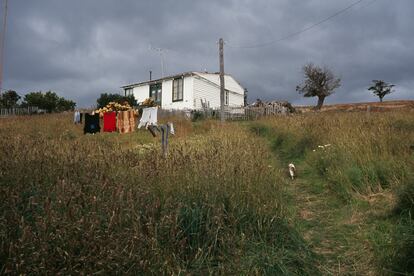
pixel 162 62
pixel 3 35
pixel 221 53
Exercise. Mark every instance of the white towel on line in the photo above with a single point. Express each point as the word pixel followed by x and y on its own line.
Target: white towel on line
pixel 76 118
pixel 149 117
pixel 171 128
pixel 153 116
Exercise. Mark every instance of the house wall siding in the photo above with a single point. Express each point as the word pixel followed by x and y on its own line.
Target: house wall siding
pixel 142 92
pixel 196 87
pixel 236 99
pixel 186 103
pixel 229 82
pixel 206 91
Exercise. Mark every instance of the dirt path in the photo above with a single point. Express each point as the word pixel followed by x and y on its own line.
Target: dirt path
pixel 334 229
pixel 348 236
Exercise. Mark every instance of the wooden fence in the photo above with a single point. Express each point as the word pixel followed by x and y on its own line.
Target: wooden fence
pixel 19 111
pixel 166 113
pixel 246 113
pixel 230 113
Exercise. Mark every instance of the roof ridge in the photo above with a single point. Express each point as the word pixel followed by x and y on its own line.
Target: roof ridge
pixel 187 73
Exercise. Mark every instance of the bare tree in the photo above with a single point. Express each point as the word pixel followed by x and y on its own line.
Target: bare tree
pixel 381 88
pixel 319 82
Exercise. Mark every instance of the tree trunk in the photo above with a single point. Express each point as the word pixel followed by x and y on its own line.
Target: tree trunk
pixel 320 103
pixel 380 99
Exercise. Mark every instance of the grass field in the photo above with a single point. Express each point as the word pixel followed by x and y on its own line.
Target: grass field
pixel 354 194
pixel 220 203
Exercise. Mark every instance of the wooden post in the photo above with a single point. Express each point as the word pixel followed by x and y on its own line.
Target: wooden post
pixel 221 52
pixel 2 38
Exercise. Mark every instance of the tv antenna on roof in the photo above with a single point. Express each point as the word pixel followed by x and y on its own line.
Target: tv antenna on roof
pixel 162 57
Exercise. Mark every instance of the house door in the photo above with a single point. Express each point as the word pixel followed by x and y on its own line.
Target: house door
pixel 156 93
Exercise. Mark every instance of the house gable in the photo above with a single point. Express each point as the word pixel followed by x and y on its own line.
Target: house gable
pixel 229 82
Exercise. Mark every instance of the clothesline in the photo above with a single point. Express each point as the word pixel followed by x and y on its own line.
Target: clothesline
pixel 124 122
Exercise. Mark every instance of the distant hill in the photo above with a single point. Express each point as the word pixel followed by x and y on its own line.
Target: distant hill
pixel 372 106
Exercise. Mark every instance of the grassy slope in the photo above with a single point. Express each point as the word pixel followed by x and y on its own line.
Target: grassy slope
pixel 338 231
pixel 354 230
pixel 221 202
pixel 109 203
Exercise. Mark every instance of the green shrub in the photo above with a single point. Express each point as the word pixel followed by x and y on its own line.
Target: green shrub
pixel 197 115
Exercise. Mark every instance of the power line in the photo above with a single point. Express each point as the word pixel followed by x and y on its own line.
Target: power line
pixel 297 32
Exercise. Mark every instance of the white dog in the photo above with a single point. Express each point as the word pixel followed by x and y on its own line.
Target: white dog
pixel 292 170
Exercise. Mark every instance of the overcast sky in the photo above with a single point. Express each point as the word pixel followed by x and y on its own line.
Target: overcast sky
pixel 81 48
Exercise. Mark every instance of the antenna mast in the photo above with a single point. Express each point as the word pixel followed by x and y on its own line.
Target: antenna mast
pixel 161 53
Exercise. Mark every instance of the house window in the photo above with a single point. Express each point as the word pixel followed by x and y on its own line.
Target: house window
pixel 178 87
pixel 155 92
pixel 128 91
pixel 226 97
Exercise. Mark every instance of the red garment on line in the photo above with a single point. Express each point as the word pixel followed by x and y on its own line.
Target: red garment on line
pixel 109 122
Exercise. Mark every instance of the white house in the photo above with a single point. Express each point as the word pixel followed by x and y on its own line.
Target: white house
pixel 188 91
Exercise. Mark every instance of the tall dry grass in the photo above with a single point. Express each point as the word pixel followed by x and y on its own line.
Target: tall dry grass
pixel 110 203
pixel 368 154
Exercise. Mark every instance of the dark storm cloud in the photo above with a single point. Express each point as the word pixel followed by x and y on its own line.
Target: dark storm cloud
pixel 83 48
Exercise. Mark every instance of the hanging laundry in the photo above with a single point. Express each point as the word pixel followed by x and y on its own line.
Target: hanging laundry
pixel 109 121
pixel 153 116
pixel 171 128
pixel 149 117
pixel 76 117
pixel 152 130
pixel 126 121
pixel 91 123
pixel 165 129
pixel 144 117
pixel 132 119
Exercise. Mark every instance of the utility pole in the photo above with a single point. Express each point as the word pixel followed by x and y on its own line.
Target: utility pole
pixel 3 35
pixel 221 52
